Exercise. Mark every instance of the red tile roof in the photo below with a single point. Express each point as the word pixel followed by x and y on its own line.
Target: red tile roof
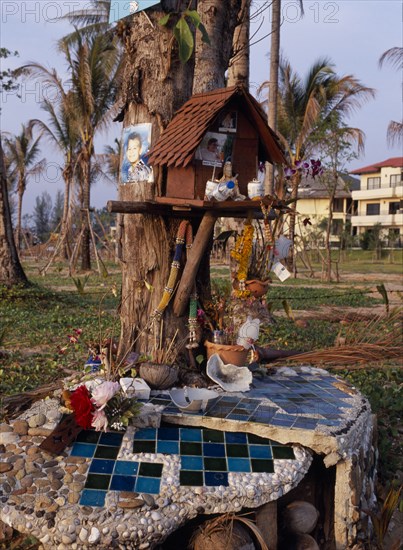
pixel 394 162
pixel 182 136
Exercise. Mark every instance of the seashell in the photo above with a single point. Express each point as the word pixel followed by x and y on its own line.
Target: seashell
pixel 158 376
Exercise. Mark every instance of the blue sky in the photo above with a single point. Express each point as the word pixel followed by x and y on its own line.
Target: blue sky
pixel 352 33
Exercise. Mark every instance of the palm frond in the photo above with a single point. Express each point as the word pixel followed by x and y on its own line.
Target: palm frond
pixel 393 56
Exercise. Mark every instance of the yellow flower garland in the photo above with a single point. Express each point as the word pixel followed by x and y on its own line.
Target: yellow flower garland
pixel 242 253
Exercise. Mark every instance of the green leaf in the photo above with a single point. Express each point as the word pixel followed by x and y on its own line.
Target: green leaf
pixel 184 37
pixel 164 20
pixel 200 359
pixel 193 16
pixel 205 36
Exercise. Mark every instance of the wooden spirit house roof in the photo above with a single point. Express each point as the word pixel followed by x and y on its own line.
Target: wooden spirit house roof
pixel 178 143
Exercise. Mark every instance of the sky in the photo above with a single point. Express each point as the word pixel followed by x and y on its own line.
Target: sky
pixel 353 34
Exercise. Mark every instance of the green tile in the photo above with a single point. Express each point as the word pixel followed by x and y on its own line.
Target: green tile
pixel 215 464
pixel 143 446
pixel 97 481
pixel 189 477
pixel 189 448
pixel 283 452
pixel 238 451
pixel 213 436
pixel 106 452
pixel 149 469
pixel 262 465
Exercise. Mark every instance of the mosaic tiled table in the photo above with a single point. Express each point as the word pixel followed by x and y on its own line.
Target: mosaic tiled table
pixel 242 451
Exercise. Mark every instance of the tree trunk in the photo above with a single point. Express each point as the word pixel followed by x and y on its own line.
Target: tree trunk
pixel 18 231
pixel 85 237
pixel 155 85
pixel 292 264
pixel 65 251
pixel 238 71
pixel 328 231
pixel 273 82
pixel 11 271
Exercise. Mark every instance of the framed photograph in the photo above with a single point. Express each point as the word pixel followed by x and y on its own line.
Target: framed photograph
pixel 136 144
pixel 215 149
pixel 229 122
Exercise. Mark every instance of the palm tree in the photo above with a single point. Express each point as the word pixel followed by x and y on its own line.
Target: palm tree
pixel 394 56
pixel 95 69
pixel 306 105
pixel 22 151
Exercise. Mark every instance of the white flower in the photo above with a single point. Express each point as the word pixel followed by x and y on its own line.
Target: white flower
pixel 101 394
pixel 99 421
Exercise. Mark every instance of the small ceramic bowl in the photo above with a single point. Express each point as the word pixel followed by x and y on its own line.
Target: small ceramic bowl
pixel 192 399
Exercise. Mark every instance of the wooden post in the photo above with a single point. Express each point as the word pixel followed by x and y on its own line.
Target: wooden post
pixel 266 522
pixel 195 254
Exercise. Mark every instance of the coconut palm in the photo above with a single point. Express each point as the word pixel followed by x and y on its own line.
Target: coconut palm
pixel 23 151
pixel 95 69
pixel 92 20
pixel 394 56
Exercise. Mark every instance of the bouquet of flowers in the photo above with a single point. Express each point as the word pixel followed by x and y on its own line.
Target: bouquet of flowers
pixel 102 406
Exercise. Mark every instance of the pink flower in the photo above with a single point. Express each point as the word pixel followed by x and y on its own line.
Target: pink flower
pixel 99 421
pixel 102 393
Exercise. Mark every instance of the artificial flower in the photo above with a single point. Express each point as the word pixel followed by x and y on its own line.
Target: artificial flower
pixel 99 421
pixel 82 407
pixel 102 393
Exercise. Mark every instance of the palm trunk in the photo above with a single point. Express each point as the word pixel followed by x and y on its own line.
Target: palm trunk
pixel 18 231
pixel 292 264
pixel 85 239
pixel 273 82
pixel 11 271
pixel 65 251
pixel 238 72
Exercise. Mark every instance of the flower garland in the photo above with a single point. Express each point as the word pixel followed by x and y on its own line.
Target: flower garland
pixel 242 253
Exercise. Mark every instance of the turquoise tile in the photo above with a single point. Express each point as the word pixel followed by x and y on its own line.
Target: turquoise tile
pixel 86 450
pixel 238 465
pixel 191 463
pixel 92 497
pixel 99 466
pixel 260 451
pixel 126 468
pixel 146 433
pixel 168 447
pixel 190 434
pixel 150 485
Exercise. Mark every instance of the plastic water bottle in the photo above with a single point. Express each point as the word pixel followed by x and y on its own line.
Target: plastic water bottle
pixel 223 190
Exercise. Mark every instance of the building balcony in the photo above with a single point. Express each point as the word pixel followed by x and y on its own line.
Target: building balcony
pixel 380 193
pixel 387 220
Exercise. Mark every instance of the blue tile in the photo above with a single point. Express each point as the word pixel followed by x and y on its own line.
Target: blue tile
pixel 83 449
pixel 214 479
pixel 235 437
pixel 112 439
pixel 190 434
pixel 126 468
pixel 238 464
pixel 282 421
pixel 238 416
pixel 99 466
pixel 150 485
pixel 168 447
pixel 92 497
pixel 169 434
pixel 145 433
pixel 191 463
pixel 260 451
pixel 307 423
pixel 213 449
pixel 122 483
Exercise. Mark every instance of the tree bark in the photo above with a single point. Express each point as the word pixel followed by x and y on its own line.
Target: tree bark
pixel 238 71
pixel 11 271
pixel 273 82
pixel 18 232
pixel 85 238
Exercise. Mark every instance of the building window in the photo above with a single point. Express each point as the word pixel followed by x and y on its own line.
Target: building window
pixel 394 207
pixel 396 179
pixel 338 205
pixel 373 209
pixel 373 183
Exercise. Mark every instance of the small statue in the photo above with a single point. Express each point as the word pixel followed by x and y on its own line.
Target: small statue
pixel 227 176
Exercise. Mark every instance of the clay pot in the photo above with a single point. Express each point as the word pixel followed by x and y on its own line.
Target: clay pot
pixel 257 288
pixel 301 517
pixel 229 354
pixel 157 376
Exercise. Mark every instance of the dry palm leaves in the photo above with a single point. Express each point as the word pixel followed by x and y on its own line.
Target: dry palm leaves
pixel 14 405
pixel 377 339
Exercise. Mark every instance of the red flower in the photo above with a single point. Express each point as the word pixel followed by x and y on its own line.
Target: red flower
pixel 82 407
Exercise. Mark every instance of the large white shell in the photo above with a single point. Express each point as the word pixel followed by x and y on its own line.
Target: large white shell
pixel 229 377
pixel 192 399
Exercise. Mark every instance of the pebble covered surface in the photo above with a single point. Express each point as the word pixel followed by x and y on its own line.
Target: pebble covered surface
pixel 39 493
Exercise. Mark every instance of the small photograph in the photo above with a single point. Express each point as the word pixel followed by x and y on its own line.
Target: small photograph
pixel 214 149
pixel 136 143
pixel 229 122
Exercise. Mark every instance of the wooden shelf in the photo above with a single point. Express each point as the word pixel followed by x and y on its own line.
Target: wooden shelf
pixel 181 208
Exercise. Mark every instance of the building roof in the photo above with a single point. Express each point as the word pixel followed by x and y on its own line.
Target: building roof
pixel 315 188
pixel 394 162
pixel 179 141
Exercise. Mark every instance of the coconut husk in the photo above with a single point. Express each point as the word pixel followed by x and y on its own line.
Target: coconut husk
pixel 301 517
pixel 306 542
